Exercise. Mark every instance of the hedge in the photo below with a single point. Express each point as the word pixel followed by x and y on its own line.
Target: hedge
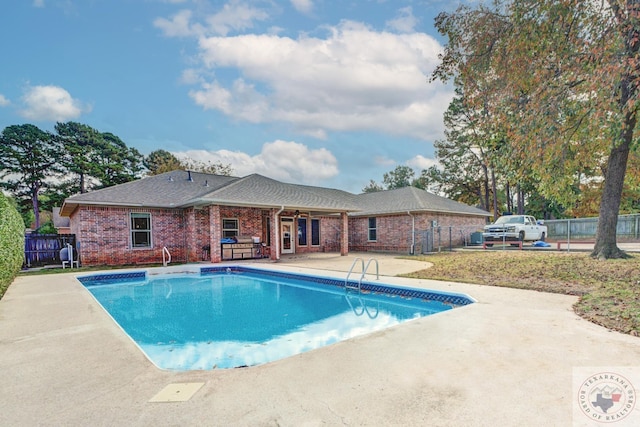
pixel 11 243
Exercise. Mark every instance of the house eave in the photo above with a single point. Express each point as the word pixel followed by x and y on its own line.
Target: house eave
pixel 68 207
pixel 415 211
pixel 199 203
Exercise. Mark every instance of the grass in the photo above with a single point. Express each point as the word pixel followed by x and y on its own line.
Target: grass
pixel 609 290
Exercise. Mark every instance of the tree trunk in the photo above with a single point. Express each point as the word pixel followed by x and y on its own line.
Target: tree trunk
pixel 520 196
pixel 509 201
pixel 606 245
pixel 35 189
pixel 495 195
pixel 486 187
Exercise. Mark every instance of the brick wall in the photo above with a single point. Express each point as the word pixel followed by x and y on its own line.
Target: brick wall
pixel 198 234
pixel 215 233
pixel 104 235
pixel 249 219
pixel 394 232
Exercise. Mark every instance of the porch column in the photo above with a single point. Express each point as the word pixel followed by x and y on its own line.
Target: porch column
pixel 215 233
pixel 344 234
pixel 275 235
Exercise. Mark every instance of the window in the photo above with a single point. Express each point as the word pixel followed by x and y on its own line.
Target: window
pixel 315 232
pixel 141 230
pixel 373 234
pixel 230 227
pixel 302 231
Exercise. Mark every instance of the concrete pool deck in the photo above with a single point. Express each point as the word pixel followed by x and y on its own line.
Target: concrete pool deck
pixel 507 360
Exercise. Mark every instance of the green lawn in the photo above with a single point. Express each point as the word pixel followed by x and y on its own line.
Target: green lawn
pixel 609 291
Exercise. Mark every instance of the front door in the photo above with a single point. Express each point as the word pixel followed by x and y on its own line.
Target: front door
pixel 286 236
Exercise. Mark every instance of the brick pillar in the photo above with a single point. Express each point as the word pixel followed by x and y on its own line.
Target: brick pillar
pixel 190 250
pixel 275 235
pixel 344 234
pixel 215 233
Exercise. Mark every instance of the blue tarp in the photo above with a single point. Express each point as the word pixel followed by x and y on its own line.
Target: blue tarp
pixel 541 244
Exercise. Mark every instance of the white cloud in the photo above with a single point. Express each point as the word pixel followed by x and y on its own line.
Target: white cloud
pixel 241 101
pixel 302 6
pixel 4 101
pixel 234 16
pixel 51 103
pixel 38 3
pixel 405 22
pixel 191 76
pixel 338 83
pixel 420 162
pixel 179 25
pixel 283 160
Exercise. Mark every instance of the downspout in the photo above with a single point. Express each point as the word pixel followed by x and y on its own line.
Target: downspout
pixel 277 231
pixel 413 233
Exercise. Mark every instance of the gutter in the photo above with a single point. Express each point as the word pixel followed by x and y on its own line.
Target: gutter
pixel 413 233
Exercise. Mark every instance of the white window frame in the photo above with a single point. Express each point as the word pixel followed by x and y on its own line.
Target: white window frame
pixel 373 229
pixel 134 230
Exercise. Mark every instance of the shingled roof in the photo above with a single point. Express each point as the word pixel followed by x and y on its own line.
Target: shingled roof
pixel 260 191
pixel 181 189
pixel 168 190
pixel 411 199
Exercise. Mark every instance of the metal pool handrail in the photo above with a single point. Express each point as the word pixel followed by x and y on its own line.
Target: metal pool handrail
pixel 346 281
pixel 364 271
pixel 166 253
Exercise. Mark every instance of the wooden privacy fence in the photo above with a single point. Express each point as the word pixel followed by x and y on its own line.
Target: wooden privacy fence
pixel 44 249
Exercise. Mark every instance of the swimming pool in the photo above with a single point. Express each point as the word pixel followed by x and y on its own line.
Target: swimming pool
pixel 227 317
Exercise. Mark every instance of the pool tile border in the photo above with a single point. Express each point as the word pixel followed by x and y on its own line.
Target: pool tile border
pixel 445 298
pixel 442 297
pixel 111 278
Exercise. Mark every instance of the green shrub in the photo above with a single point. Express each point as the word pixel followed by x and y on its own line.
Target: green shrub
pixel 46 228
pixel 11 243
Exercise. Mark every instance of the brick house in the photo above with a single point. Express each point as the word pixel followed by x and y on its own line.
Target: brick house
pixel 397 221
pixel 205 217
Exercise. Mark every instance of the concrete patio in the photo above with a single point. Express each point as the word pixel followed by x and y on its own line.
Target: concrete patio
pixel 507 360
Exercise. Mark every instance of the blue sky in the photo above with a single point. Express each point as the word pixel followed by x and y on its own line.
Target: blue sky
pixel 320 92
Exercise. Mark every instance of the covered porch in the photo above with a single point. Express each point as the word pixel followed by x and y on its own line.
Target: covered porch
pixel 219 233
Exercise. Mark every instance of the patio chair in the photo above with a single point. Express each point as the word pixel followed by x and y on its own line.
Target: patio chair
pixel 67 256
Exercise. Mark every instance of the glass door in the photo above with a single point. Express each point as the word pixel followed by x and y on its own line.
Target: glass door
pixel 286 236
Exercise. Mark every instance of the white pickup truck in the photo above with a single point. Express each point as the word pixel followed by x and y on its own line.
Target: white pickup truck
pixel 514 227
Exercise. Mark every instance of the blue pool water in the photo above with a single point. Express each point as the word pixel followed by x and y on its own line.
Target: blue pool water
pixel 223 318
